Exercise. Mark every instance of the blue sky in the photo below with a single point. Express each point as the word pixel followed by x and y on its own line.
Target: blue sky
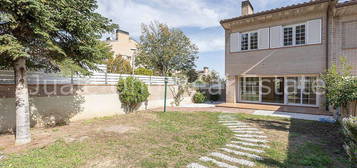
pixel 198 19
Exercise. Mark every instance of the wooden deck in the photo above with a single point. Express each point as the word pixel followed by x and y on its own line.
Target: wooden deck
pixel 282 108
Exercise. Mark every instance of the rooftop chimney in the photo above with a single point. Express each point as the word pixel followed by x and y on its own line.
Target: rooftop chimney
pixel 122 35
pixel 247 8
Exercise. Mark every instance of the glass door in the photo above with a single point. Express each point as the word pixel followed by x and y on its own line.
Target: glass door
pixel 301 90
pixel 273 90
pixel 249 89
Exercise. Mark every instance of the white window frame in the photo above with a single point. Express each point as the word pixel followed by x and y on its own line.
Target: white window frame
pixel 294 34
pixel 249 38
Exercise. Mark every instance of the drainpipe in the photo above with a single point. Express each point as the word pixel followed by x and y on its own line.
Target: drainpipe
pixel 327 33
pixel 327 41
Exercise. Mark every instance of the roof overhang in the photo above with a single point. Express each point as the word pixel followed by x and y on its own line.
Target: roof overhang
pixel 276 14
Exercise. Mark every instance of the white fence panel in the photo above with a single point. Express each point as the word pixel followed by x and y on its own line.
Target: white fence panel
pixel 7 77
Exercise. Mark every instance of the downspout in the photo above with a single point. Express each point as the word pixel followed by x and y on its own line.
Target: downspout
pixel 327 43
pixel 327 33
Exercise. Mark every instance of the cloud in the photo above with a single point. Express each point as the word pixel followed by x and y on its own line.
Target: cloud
pixel 195 14
pixel 130 14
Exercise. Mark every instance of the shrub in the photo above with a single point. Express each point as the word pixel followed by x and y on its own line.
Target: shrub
pixel 132 92
pixel 341 87
pixel 350 131
pixel 214 97
pixel 199 98
pixel 144 71
pixel 119 65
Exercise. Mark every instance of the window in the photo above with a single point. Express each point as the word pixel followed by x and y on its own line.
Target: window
pixel 244 42
pixel 253 40
pixel 295 35
pixel 288 36
pixel 300 35
pixel 249 41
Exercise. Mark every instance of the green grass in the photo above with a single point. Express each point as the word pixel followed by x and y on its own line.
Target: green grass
pixel 57 155
pixel 175 139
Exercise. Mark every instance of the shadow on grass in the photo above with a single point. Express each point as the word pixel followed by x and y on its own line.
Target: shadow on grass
pixel 310 144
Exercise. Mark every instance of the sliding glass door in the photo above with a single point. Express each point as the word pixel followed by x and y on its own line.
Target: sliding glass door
pixel 249 89
pixel 272 90
pixel 279 90
pixel 301 90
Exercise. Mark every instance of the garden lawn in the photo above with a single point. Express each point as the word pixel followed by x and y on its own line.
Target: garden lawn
pixel 175 139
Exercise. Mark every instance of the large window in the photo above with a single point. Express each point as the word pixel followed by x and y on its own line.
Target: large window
pixel 295 35
pixel 249 89
pixel 244 41
pixel 300 35
pixel 288 36
pixel 253 40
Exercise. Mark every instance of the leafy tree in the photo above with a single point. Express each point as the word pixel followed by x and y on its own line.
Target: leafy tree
pixel 211 78
pixel 132 92
pixel 165 50
pixel 119 65
pixel 53 35
pixel 144 71
pixel 192 75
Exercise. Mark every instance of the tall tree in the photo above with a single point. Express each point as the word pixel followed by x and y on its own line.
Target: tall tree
pixel 165 50
pixel 52 35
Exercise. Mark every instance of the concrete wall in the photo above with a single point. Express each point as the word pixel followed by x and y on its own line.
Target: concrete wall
pixel 84 102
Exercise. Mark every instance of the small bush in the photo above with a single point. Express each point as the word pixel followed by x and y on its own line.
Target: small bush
pixel 199 98
pixel 350 131
pixel 132 92
pixel 214 97
pixel 144 71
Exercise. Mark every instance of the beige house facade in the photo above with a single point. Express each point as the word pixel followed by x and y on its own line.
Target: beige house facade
pixel 123 45
pixel 277 56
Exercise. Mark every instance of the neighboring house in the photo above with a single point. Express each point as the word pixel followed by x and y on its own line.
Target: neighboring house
pixel 205 71
pixel 123 45
pixel 286 49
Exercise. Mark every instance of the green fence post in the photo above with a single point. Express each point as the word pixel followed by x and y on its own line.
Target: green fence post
pixel 166 81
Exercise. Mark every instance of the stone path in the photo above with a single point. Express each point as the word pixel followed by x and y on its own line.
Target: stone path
pixel 248 144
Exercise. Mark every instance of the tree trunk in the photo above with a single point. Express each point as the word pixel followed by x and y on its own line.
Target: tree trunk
pixel 23 135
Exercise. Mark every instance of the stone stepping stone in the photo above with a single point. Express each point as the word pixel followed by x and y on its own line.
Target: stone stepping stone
pixel 239 126
pixel 250 144
pixel 195 165
pixel 245 148
pixel 232 159
pixel 245 129
pixel 252 140
pixel 250 136
pixel 218 163
pixel 249 132
pixel 228 120
pixel 252 156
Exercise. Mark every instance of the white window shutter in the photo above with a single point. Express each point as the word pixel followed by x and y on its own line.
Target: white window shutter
pixel 276 37
pixel 235 42
pixel 263 40
pixel 313 31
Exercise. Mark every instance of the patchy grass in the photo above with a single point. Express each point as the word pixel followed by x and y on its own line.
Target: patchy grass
pixel 57 155
pixel 163 140
pixel 175 139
